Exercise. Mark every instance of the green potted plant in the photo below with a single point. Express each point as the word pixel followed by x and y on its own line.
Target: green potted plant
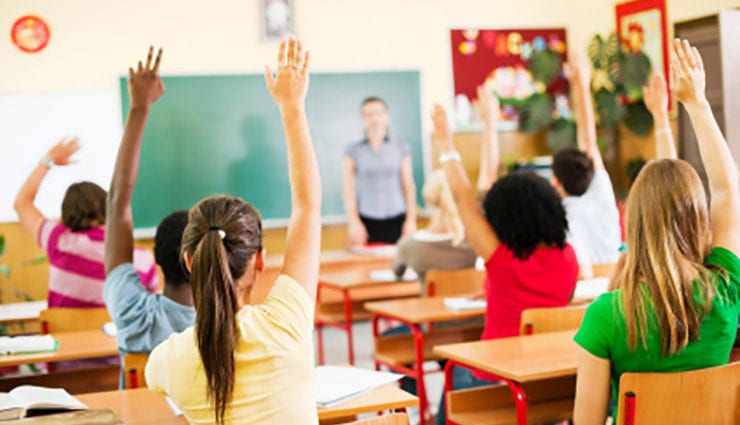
pixel 6 270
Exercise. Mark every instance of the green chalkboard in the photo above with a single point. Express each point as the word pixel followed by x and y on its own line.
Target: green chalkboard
pixel 222 134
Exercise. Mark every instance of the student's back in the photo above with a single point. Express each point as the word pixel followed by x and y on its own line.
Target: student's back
pixel 245 363
pixel 678 298
pixel 74 246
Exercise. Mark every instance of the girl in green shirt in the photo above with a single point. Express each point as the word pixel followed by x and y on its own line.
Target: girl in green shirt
pixel 677 300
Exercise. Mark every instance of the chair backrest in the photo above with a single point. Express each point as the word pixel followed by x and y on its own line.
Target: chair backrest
pixel 133 370
pixel 441 283
pixel 391 419
pixel 702 396
pixel 551 319
pixel 67 319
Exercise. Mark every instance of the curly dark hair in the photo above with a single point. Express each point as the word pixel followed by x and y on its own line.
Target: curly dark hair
pixel 167 242
pixel 83 206
pixel 525 210
pixel 574 169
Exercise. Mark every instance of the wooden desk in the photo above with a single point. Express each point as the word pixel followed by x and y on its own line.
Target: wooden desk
pixel 354 286
pixel 21 318
pixel 548 357
pixel 72 346
pixel 135 407
pixel 141 406
pixel 397 351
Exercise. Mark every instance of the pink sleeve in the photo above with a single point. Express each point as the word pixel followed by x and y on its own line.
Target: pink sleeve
pixel 45 231
pixel 147 269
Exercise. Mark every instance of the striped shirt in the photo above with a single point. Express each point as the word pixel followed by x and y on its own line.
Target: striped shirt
pixel 76 270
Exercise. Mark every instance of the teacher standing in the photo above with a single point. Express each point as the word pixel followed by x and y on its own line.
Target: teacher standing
pixel 379 191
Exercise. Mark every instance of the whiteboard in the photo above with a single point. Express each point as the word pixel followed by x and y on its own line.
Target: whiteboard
pixel 31 123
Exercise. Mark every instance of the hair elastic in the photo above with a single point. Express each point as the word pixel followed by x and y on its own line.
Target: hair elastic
pixel 221 232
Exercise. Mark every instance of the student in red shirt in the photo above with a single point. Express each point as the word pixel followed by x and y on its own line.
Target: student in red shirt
pixel 521 235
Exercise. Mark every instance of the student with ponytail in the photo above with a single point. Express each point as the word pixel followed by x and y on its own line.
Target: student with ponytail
pixel 677 300
pixel 244 363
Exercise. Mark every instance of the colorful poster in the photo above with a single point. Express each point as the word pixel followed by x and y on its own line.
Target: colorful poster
pixel 641 27
pixel 500 58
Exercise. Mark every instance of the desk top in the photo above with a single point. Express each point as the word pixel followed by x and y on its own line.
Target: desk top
pixel 134 407
pixel 519 358
pixel 72 346
pixel 361 276
pixel 21 311
pixel 339 257
pixel 141 406
pixel 421 310
pixel 381 398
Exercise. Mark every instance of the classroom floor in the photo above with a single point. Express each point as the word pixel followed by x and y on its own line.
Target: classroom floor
pixel 335 353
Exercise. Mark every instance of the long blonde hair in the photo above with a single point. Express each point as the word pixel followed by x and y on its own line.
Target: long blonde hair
pixel 437 193
pixel 668 236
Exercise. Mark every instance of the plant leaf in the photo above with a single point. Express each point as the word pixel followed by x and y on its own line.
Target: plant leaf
pixel 545 65
pixel 562 134
pixel 635 72
pixel 536 113
pixel 638 119
pixel 5 270
pixel 610 111
pixel 2 245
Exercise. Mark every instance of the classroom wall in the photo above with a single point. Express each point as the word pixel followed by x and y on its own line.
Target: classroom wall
pixel 93 42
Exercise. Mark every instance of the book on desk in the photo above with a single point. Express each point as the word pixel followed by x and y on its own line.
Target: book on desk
pixel 335 384
pixel 27 344
pixel 29 400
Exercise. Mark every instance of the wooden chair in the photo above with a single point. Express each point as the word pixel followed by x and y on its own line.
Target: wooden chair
pixel 68 319
pixel 703 396
pixel 551 319
pixel 445 283
pixel 391 419
pixel 133 370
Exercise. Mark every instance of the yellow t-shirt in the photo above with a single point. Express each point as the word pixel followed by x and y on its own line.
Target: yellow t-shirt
pixel 274 364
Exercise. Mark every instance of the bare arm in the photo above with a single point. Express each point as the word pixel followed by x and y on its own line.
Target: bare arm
pixel 478 231
pixel 592 389
pixel 689 88
pixel 409 194
pixel 488 109
pixel 145 87
pixel 579 76
pixel 30 217
pixel 356 230
pixel 655 95
pixel 303 241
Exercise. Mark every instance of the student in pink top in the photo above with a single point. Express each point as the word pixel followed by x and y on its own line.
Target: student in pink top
pixel 521 235
pixel 74 245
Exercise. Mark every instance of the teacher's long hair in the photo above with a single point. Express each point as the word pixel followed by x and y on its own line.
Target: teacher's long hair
pixel 222 236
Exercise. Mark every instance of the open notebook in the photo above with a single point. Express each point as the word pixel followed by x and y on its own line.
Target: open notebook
pixel 387 275
pixel 29 400
pixel 464 303
pixel 27 344
pixel 335 384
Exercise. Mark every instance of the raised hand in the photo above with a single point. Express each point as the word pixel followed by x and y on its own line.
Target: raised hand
pixel 144 84
pixel 62 151
pixel 442 135
pixel 487 105
pixel 687 73
pixel 655 95
pixel 578 70
pixel 290 84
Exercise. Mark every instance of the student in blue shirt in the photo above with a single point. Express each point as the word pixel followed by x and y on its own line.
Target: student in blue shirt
pixel 143 319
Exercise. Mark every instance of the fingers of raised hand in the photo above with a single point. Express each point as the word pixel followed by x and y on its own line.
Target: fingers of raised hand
pixel 306 57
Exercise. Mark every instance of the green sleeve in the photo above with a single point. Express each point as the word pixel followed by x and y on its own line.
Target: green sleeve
pixel 727 261
pixel 597 328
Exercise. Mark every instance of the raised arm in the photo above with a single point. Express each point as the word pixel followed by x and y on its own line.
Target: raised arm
pixel 144 88
pixel 30 217
pixel 689 88
pixel 578 73
pixel 303 240
pixel 478 231
pixel 655 95
pixel 409 194
pixel 488 110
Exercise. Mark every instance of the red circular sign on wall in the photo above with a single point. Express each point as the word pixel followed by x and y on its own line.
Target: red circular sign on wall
pixel 30 33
